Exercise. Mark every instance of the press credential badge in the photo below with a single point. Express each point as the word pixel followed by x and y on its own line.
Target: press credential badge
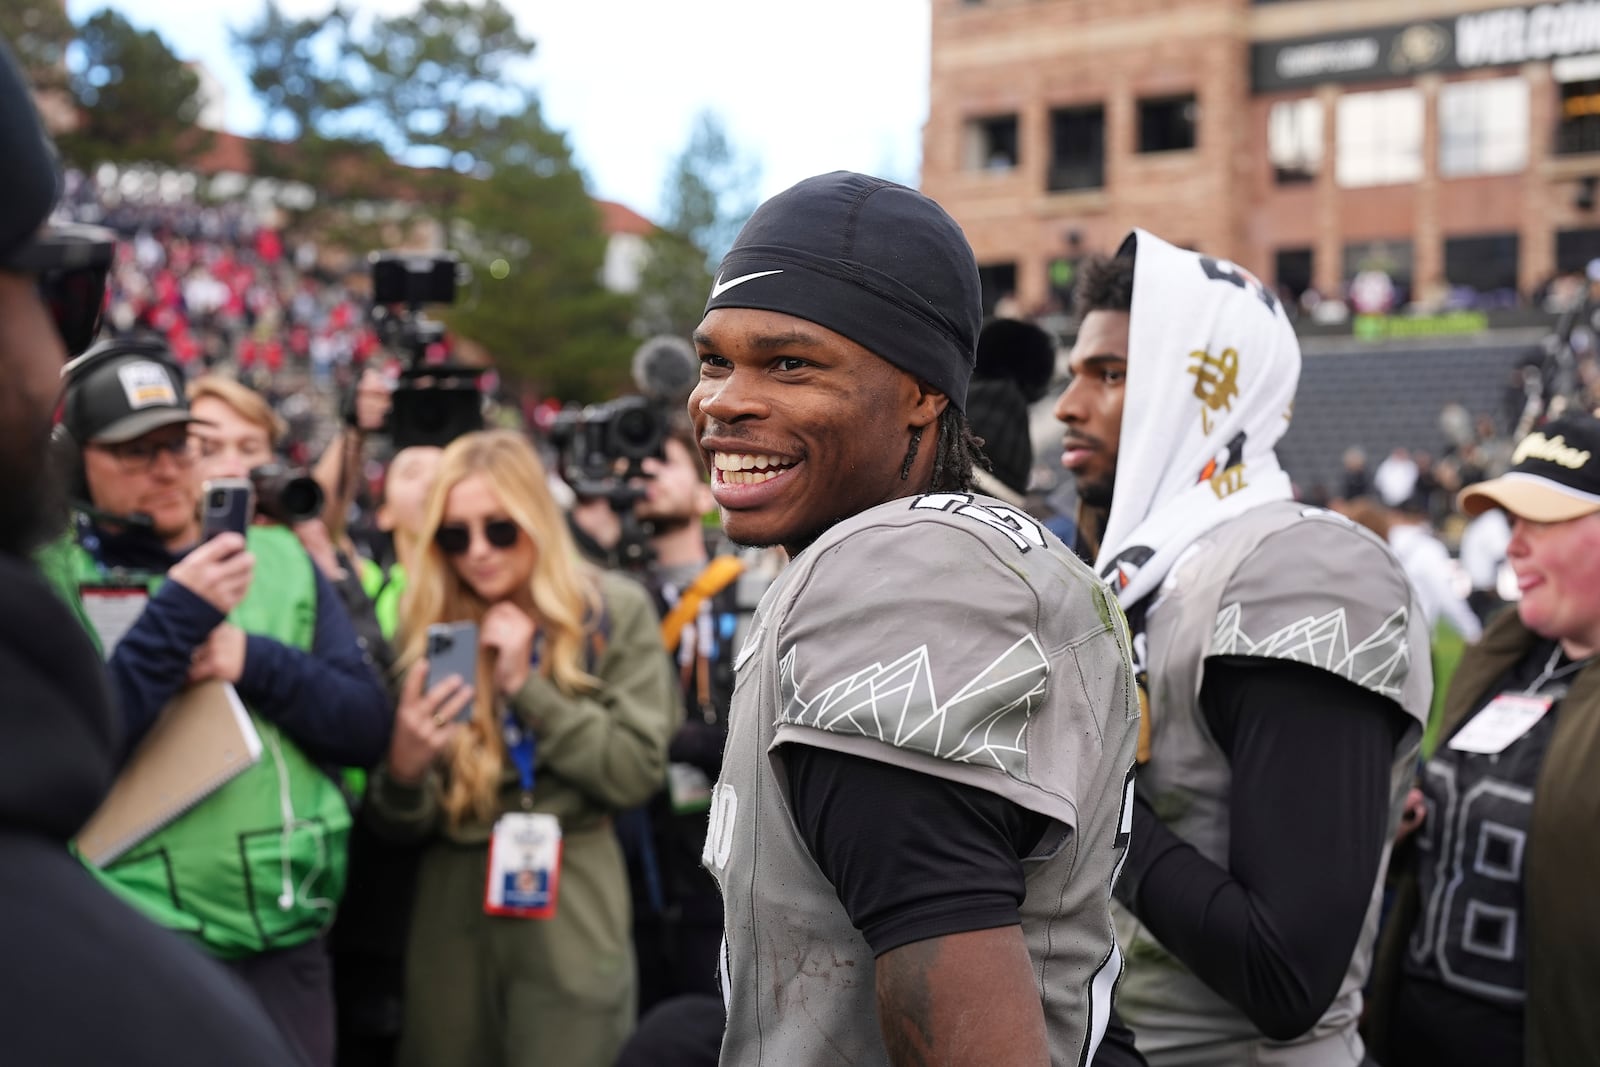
pixel 524 866
pixel 1503 720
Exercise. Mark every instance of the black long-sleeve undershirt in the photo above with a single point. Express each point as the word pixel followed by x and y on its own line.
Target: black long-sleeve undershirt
pixel 1311 756
pixel 914 857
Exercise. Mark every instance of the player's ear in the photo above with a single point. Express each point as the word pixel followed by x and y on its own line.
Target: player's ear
pixel 928 404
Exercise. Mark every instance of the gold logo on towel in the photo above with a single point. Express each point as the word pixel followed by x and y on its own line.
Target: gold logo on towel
pixel 1216 382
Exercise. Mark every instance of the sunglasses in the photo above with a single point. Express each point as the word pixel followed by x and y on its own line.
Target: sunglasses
pixel 454 538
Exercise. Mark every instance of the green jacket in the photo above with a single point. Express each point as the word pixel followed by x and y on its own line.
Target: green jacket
pixel 596 754
pixel 384 589
pixel 260 864
pixel 1562 869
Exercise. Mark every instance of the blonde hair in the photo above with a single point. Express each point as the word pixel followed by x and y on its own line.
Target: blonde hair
pixel 251 405
pixel 563 590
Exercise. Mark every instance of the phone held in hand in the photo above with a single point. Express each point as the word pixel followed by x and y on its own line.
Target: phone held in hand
pixel 226 504
pixel 452 648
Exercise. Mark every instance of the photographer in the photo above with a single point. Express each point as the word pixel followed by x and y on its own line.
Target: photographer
pixel 399 517
pixel 236 432
pixel 251 610
pixel 86 979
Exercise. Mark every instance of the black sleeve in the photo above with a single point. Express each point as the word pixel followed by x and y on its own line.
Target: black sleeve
pixel 1311 755
pixel 1117 1048
pixel 912 857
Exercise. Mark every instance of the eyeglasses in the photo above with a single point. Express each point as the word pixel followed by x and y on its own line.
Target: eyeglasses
pixel 454 538
pixel 140 457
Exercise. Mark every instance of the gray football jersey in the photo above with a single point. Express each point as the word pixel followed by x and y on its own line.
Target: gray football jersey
pixel 1282 581
pixel 952 635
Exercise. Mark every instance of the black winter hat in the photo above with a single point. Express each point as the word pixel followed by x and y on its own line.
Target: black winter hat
pixel 874 261
pixel 30 180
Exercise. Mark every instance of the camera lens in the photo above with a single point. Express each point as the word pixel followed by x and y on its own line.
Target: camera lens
pixel 219 500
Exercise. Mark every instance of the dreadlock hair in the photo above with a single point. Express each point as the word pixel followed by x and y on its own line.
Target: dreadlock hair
pixel 959 451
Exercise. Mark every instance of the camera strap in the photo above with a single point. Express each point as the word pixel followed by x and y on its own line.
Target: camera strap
pixel 720 573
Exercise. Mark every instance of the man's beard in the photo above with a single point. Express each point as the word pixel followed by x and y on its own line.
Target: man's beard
pixel 32 500
pixel 1097 493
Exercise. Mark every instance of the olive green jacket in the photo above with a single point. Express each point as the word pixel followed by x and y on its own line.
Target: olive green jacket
pixel 596 754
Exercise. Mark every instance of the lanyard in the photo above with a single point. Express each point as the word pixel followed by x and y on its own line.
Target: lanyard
pixel 522 746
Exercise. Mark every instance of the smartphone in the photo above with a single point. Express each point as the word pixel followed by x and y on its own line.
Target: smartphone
pixel 452 648
pixel 226 504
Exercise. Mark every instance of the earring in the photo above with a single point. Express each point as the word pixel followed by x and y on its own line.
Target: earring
pixel 911 454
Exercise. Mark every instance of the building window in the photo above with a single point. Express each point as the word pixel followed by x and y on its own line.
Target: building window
pixel 1483 265
pixel 1294 139
pixel 1483 127
pixel 1168 124
pixel 998 281
pixel 1379 138
pixel 1077 148
pixel 1292 273
pixel 1575 249
pixel 991 143
pixel 1377 275
pixel 1578 123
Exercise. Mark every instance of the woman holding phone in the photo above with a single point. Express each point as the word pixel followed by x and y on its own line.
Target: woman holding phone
pixel 519 949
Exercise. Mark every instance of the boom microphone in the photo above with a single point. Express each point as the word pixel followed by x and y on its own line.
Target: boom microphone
pixel 666 369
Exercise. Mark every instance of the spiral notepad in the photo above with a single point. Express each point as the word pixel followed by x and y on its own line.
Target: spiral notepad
pixel 201 741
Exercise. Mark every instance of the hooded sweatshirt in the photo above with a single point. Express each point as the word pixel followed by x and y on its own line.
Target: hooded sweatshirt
pixel 87 980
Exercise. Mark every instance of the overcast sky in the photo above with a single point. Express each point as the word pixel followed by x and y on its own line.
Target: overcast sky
pixel 803 86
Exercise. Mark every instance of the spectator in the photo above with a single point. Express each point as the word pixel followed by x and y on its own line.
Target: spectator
pixel 1015 363
pixel 1483 557
pixel 1356 482
pixel 573 683
pixel 1492 955
pixel 1396 478
pixel 284 642
pixel 86 979
pixel 400 517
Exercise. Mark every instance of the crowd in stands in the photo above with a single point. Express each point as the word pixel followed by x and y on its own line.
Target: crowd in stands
pixel 228 289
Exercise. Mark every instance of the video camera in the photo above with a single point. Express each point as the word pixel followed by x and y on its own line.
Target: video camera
pixel 602 447
pixel 286 496
pixel 433 403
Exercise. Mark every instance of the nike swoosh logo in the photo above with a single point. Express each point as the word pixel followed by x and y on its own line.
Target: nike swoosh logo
pixel 723 286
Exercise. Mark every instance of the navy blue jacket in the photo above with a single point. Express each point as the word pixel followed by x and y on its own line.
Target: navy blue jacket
pixel 329 701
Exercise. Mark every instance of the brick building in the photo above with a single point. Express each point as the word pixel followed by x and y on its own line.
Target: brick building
pixel 1444 142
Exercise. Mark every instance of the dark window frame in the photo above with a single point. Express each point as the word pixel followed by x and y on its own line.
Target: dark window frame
pixel 1577 134
pixel 1008 141
pixel 1472 254
pixel 1162 120
pixel 1080 165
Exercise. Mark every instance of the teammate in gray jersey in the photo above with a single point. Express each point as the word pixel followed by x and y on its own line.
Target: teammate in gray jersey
pixel 924 797
pixel 1286 664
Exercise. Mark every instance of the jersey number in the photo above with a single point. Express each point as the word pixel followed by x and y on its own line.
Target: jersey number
pixel 1019 526
pixel 719 832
